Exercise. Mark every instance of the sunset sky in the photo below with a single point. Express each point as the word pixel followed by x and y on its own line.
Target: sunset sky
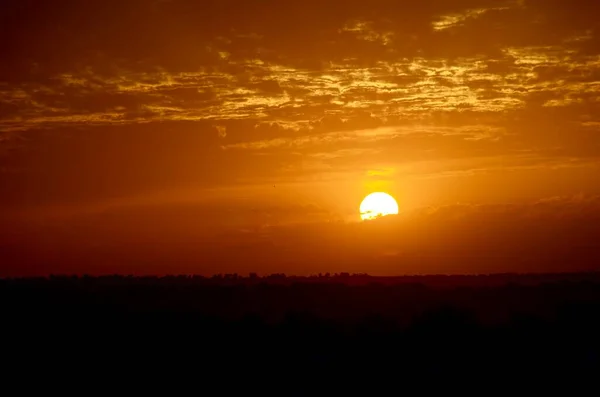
pixel 214 136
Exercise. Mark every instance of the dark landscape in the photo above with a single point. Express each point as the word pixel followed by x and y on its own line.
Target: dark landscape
pixel 355 326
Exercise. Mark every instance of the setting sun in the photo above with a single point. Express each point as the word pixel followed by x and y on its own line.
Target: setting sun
pixel 376 205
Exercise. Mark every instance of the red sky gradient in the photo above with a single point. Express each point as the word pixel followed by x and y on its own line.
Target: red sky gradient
pixel 179 136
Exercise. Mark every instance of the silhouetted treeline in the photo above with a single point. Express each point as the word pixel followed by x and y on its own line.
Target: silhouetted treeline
pixel 351 324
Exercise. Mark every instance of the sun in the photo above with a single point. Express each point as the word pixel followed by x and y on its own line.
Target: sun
pixel 376 205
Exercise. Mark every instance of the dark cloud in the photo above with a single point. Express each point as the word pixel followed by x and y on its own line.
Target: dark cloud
pixel 554 234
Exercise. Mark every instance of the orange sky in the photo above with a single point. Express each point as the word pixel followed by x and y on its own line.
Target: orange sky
pixel 180 136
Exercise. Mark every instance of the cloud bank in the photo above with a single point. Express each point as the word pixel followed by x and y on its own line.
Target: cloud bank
pixel 555 234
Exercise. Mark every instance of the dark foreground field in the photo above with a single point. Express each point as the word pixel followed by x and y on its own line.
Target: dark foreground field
pixel 502 328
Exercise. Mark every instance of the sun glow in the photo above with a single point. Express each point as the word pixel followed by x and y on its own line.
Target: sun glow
pixel 376 205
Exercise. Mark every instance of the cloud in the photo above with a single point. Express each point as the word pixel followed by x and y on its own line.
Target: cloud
pixel 552 234
pixel 369 83
pixel 264 74
pixel 364 136
pixel 222 131
pixel 454 20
